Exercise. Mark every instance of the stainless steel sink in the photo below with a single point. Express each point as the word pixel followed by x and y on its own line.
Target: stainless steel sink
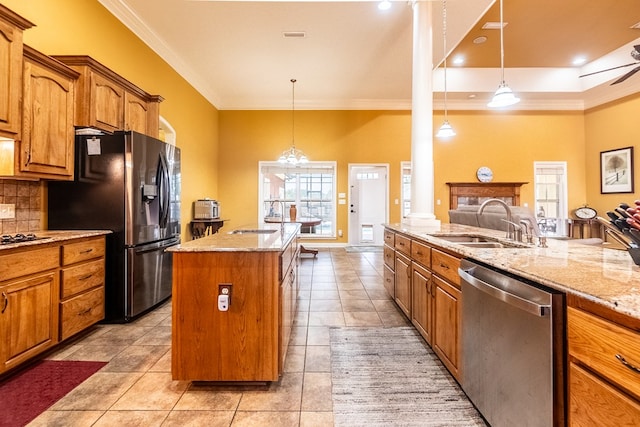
pixel 253 231
pixel 475 241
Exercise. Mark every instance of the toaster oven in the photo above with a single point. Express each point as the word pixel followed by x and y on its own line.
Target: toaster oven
pixel 205 209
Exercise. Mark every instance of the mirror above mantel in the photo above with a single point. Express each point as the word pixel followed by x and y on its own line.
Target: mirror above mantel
pixel 474 193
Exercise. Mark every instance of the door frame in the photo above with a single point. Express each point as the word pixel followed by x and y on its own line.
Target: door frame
pixel 351 166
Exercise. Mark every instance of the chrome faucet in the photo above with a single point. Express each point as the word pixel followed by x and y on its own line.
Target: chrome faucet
pixel 281 202
pixel 510 235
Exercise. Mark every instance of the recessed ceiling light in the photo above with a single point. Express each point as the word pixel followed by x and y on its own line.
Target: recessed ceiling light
pixel 493 25
pixel 471 96
pixel 479 40
pixel 384 5
pixel 458 60
pixel 579 60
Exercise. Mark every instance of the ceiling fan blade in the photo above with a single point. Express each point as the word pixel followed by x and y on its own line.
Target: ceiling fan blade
pixel 626 76
pixel 609 69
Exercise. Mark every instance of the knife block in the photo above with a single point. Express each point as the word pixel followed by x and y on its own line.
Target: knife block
pixel 635 255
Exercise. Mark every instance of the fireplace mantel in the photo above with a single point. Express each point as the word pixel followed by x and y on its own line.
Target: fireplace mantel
pixel 474 193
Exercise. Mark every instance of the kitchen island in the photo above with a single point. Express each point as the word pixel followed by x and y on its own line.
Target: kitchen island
pixel 234 301
pixel 599 340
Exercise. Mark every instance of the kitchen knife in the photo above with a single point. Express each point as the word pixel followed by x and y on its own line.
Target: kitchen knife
pixel 633 223
pixel 621 224
pixel 632 242
pixel 635 234
pixel 622 212
pixel 632 211
pixel 624 206
pixel 627 245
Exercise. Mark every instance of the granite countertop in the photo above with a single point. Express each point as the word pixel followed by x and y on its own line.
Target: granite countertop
pixel 243 242
pixel 599 273
pixel 51 236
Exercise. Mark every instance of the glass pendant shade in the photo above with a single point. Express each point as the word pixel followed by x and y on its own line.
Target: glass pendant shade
pixel 293 156
pixel 503 97
pixel 445 130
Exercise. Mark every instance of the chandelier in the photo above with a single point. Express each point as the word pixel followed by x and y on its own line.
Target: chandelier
pixel 293 156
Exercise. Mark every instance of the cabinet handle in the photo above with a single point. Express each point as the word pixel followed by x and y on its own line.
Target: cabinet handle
pixel 83 312
pixel 6 301
pixel 86 251
pixel 627 364
pixel 418 253
pixel 444 266
pixel 86 277
pixel 401 243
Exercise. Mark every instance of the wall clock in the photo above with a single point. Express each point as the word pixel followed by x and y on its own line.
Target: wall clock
pixel 484 174
pixel 585 212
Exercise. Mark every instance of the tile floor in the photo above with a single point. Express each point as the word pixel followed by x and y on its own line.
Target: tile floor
pixel 135 387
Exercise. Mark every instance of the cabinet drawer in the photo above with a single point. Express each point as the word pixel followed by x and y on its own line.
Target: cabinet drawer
pixel 28 262
pixel 403 244
pixel 446 266
pixel 597 343
pixel 82 277
pixel 390 281
pixel 421 253
pixel 389 237
pixel 389 257
pixel 593 402
pixel 83 250
pixel 81 312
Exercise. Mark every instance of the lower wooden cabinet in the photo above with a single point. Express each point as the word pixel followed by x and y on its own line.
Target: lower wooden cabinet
pixel 29 318
pixel 446 324
pixel 422 301
pixel 403 283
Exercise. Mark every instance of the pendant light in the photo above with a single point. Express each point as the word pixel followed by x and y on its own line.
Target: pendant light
pixel 293 156
pixel 445 130
pixel 504 96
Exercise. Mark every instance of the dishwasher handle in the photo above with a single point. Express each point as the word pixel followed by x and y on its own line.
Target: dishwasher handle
pixel 514 300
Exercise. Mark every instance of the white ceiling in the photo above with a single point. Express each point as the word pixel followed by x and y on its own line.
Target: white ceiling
pixel 355 56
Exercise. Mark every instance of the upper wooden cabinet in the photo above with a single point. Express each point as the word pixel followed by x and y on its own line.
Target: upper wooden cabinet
pixel 46 149
pixel 11 28
pixel 107 101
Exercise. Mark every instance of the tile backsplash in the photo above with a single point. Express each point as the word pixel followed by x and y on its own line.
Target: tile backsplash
pixel 27 198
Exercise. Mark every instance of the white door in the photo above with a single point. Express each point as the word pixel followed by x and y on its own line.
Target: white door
pixel 367 203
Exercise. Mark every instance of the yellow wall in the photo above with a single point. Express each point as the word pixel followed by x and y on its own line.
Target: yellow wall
pixel 610 127
pixel 509 143
pixel 85 27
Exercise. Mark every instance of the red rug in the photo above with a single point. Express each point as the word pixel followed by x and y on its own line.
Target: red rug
pixel 28 393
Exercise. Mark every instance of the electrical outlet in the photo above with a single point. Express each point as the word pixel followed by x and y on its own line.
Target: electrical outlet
pixel 7 211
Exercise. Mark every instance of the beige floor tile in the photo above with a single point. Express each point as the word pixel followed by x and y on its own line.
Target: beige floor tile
pixel 385 305
pixel 52 418
pixel 284 395
pixel 349 305
pixel 318 359
pixel 153 318
pixel 125 335
pixel 325 294
pixel 378 293
pixel 326 286
pixel 326 318
pixel 199 419
pixel 100 353
pixel 266 419
pixel 98 392
pixel 316 419
pixel 362 318
pixel 132 418
pixel 353 294
pixel 159 335
pixel 136 358
pixel 208 398
pixel 316 392
pixel 298 335
pixel 153 391
pixel 393 318
pixel 163 364
pixel 301 319
pixel 294 362
pixel 325 305
pixel 318 335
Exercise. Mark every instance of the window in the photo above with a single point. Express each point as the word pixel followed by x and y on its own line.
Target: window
pixel 551 197
pixel 405 191
pixel 310 188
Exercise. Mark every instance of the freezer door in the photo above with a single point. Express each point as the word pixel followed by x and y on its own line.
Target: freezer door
pixel 149 276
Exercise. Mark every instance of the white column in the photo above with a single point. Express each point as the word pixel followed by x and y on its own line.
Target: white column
pixel 422 193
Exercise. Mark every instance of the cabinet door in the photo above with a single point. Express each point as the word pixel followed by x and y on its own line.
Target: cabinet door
pixel 390 281
pixel 403 283
pixel 446 323
pixel 421 301
pixel 48 113
pixel 10 77
pixel 136 112
pixel 286 314
pixel 106 104
pixel 28 318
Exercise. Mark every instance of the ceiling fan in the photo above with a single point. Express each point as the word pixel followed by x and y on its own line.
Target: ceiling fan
pixel 635 54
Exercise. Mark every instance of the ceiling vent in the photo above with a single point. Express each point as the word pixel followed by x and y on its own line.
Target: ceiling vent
pixel 294 34
pixel 493 25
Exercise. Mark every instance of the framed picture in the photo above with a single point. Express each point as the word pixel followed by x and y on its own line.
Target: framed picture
pixel 616 171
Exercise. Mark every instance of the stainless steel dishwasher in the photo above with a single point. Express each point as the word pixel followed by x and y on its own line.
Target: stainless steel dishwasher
pixel 512 348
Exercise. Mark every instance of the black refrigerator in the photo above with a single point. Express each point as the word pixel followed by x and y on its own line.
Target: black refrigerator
pixel 128 183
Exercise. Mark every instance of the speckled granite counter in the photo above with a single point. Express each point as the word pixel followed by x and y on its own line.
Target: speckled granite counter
pixel 247 241
pixel 598 273
pixel 45 237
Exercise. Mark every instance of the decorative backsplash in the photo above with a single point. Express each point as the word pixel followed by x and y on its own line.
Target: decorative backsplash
pixel 27 198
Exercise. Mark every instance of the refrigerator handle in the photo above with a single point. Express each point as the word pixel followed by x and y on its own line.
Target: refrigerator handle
pixel 164 191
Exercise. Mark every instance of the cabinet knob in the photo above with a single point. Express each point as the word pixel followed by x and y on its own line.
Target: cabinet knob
pixel 5 302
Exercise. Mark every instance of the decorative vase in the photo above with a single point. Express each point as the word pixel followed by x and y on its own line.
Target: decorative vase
pixel 293 211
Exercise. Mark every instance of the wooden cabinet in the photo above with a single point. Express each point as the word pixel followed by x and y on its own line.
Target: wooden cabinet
pixel 47 146
pixel 422 301
pixel 604 370
pixel 446 324
pixel 403 283
pixel 389 254
pixel 12 27
pixel 82 286
pixel 48 293
pixel 109 102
